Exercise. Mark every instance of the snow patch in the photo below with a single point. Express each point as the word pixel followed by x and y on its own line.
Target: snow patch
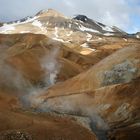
pixel 97 23
pixel 70 33
pixel 56 35
pixel 99 38
pixel 29 19
pixel 89 36
pixel 92 49
pixel 6 28
pixel 125 39
pixel 108 34
pixel 58 39
pixel 107 28
pixel 77 23
pixel 37 23
pixel 69 25
pixel 22 32
pixel 56 32
pixel 85 45
pixel 137 36
pixel 82 28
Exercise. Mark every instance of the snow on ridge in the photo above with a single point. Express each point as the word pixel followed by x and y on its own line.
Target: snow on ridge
pixel 29 19
pixel 37 23
pixel 97 23
pixel 82 28
pixel 6 28
pixel 107 28
pixel 118 29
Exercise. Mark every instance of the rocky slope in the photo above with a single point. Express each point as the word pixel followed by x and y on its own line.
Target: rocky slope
pixel 68 78
pixel 120 67
pixel 19 124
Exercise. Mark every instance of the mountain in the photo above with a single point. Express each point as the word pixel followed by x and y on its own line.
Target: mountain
pixel 44 20
pixel 68 78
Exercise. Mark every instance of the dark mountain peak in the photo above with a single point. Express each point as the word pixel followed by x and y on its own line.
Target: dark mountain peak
pixel 81 17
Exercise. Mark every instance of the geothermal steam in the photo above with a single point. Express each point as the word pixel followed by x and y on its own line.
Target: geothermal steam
pixel 13 79
pixel 10 77
pixel 51 67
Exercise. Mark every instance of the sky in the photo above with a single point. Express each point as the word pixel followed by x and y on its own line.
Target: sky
pixel 124 14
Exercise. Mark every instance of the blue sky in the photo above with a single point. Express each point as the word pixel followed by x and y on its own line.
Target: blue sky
pixel 134 15
pixel 124 14
pixel 135 25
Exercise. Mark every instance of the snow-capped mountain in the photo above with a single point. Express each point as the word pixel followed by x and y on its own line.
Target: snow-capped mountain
pixel 79 31
pixel 53 23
